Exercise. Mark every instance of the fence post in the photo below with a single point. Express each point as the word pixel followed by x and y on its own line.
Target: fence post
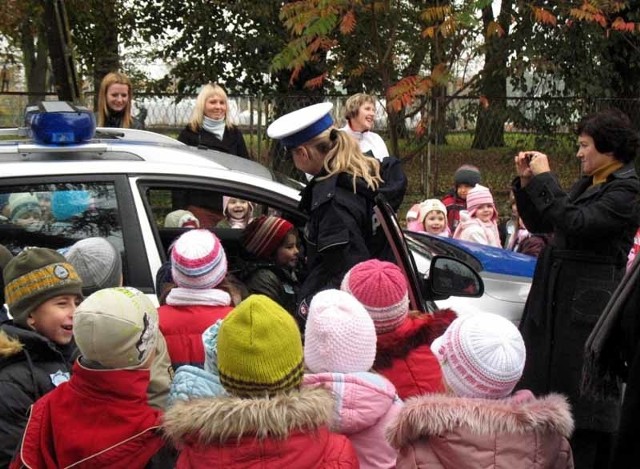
pixel 259 132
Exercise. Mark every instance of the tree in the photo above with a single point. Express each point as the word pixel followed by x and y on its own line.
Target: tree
pixel 21 22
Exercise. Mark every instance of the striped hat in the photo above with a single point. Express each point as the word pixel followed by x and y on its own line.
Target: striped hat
pixel 35 276
pixel 259 349
pixel 198 260
pixel 482 355
pixel 480 195
pixel 382 289
pixel 265 234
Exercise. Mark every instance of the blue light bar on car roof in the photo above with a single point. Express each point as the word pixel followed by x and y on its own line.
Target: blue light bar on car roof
pixel 59 123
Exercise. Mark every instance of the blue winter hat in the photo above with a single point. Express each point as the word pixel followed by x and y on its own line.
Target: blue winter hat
pixel 68 204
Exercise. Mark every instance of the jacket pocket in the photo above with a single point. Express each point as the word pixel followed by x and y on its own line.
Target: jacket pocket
pixel 333 238
pixel 589 300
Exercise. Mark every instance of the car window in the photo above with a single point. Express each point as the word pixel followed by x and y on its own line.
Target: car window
pixel 55 215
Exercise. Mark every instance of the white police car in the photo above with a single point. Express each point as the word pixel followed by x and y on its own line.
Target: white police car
pixel 63 183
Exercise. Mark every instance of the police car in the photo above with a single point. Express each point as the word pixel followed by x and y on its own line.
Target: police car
pixel 63 180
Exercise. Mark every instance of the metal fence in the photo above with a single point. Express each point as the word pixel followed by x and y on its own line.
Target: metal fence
pixel 426 135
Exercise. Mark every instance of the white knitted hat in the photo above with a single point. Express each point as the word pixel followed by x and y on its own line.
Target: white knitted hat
pixel 339 335
pixel 482 355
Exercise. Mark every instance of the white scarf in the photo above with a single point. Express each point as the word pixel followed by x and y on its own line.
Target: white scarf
pixel 179 296
pixel 214 126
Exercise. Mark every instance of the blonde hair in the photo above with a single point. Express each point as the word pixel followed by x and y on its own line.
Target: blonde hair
pixel 197 116
pixel 353 104
pixel 113 78
pixel 342 154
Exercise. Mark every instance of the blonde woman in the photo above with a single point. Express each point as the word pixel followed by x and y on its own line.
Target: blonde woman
pixel 114 102
pixel 360 113
pixel 341 230
pixel 209 126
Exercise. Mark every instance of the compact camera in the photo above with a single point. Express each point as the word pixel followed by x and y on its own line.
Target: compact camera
pixel 528 157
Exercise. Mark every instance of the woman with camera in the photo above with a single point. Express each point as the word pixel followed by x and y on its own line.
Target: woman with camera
pixel 593 226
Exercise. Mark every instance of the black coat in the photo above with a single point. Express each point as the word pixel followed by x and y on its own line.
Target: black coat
pixel 275 282
pixel 232 140
pixel 575 276
pixel 25 375
pixel 341 232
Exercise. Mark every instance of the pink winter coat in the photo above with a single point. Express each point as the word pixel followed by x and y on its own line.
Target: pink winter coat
pixel 439 431
pixel 366 404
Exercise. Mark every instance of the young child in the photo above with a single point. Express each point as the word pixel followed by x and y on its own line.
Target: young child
pixel 238 213
pixel 403 354
pixel 479 222
pixel 99 265
pixel 25 211
pixel 430 217
pixel 102 408
pixel 198 267
pixel 181 219
pixel 266 420
pixel 274 242
pixel 42 291
pixel 478 423
pixel 339 350
pixel 465 178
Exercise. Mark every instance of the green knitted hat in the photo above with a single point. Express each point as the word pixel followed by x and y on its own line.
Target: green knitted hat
pixel 34 276
pixel 259 349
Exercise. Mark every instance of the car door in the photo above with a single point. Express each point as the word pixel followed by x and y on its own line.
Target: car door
pixel 447 276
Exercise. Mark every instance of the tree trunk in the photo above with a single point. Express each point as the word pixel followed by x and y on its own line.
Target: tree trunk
pixel 493 85
pixel 106 53
pixel 34 59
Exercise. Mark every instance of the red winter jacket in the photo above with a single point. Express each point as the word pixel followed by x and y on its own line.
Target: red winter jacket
pixel 99 418
pixel 182 327
pixel 288 430
pixel 404 355
pixel 454 205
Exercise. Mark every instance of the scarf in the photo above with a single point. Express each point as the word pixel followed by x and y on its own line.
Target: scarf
pixel 214 126
pixel 179 296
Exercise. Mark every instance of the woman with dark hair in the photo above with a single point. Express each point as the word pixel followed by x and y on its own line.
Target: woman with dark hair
pixel 593 227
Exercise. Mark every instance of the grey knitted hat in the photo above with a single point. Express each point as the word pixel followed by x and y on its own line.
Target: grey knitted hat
pixel 97 262
pixel 467 174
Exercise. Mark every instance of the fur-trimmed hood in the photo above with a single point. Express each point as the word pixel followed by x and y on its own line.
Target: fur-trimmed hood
pixel 9 346
pixel 437 414
pixel 417 330
pixel 216 420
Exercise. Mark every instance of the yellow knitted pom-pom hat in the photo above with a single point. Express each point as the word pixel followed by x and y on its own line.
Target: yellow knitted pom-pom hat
pixel 259 349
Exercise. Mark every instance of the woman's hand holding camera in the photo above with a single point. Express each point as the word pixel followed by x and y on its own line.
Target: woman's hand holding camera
pixel 529 164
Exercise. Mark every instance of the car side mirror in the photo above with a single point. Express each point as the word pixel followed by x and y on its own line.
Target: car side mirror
pixel 451 277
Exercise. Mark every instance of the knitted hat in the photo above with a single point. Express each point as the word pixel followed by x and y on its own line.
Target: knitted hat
pixel 116 328
pixel 467 174
pixel 481 355
pixel 480 195
pixel 97 262
pixel 21 203
pixel 68 204
pixel 33 277
pixel 419 211
pixel 382 289
pixel 259 349
pixel 198 260
pixel 264 234
pixel 181 219
pixel 339 336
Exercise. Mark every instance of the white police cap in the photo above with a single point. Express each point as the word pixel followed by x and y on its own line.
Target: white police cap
pixel 300 126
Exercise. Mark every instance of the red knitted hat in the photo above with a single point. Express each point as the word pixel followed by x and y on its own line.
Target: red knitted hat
pixel 264 234
pixel 382 288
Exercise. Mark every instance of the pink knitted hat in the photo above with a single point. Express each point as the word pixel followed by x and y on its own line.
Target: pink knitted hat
pixel 339 335
pixel 382 289
pixel 198 260
pixel 480 195
pixel 264 234
pixel 482 355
